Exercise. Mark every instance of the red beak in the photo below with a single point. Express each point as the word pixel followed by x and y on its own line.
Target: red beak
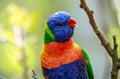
pixel 72 23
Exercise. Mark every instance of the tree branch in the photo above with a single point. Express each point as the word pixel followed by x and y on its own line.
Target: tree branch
pixel 115 60
pixel 95 28
pixel 112 52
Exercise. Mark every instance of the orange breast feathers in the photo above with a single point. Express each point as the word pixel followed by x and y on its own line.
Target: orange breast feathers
pixel 56 54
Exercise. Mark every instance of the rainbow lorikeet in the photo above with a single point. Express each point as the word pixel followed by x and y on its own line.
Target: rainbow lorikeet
pixel 61 57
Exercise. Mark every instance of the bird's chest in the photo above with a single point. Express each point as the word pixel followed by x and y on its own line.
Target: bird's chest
pixel 73 70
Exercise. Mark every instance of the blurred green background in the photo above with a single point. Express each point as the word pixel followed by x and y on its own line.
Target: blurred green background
pixel 22 29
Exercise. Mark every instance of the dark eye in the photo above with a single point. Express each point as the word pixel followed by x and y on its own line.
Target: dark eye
pixel 60 25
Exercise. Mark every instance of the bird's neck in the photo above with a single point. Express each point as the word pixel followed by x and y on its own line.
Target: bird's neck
pixel 59 48
pixel 55 54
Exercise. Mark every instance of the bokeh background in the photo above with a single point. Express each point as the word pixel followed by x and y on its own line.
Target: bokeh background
pixel 22 30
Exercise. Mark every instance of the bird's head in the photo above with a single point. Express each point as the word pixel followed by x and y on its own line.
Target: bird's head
pixel 60 27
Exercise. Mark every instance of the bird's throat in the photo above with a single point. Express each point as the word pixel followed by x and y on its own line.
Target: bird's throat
pixel 55 54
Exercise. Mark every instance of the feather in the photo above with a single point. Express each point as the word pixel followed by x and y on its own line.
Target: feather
pixel 74 70
pixel 55 54
pixel 61 57
pixel 88 64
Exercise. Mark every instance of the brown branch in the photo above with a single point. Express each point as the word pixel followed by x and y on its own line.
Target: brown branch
pixel 115 60
pixel 118 63
pixel 112 52
pixel 95 28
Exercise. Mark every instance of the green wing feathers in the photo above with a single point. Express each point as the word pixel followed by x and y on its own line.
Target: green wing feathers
pixel 88 64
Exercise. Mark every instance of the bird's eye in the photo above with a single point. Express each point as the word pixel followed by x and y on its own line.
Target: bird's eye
pixel 60 25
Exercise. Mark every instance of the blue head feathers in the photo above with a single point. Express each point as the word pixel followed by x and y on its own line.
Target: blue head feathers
pixel 61 25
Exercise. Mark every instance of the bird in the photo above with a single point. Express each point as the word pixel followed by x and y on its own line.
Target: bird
pixel 61 57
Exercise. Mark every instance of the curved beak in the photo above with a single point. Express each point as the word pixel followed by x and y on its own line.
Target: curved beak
pixel 72 22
